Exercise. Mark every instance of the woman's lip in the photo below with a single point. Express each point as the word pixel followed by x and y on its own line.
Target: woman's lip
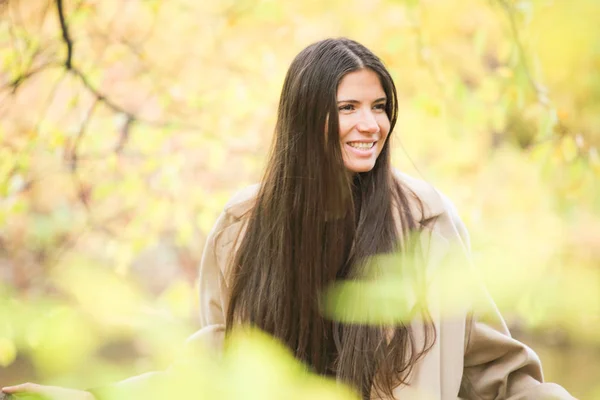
pixel 361 152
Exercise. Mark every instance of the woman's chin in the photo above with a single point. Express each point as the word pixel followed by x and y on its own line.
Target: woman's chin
pixel 357 167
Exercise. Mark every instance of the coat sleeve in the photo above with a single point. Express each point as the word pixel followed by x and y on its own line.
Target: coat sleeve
pixel 497 366
pixel 213 287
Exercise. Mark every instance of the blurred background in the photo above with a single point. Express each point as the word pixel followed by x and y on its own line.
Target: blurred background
pixel 125 126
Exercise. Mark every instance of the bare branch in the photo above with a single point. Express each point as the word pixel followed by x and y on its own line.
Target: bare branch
pixel 73 155
pixel 119 109
pixel 70 67
pixel 15 83
pixel 100 96
pixel 83 192
pixel 65 34
pixel 124 136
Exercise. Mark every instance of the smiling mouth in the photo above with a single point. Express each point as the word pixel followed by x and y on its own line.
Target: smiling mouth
pixel 361 145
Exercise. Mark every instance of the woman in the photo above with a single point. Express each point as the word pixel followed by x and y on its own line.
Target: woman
pixel 328 202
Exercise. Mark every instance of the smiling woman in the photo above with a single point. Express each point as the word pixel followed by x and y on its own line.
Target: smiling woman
pixel 310 224
pixel 364 124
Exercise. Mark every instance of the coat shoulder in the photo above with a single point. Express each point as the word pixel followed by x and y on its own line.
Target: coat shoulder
pixel 428 204
pixel 425 201
pixel 230 222
pixel 242 201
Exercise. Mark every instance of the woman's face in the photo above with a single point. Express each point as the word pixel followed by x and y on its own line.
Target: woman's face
pixel 364 125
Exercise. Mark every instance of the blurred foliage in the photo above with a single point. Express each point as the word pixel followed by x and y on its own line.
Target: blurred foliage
pixel 197 374
pixel 125 127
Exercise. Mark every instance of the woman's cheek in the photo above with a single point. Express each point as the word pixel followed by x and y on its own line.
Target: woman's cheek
pixel 384 124
pixel 345 126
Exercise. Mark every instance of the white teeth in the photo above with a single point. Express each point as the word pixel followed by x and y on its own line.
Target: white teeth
pixel 359 145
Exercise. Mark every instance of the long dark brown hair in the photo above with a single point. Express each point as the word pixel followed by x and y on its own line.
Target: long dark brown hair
pixel 314 224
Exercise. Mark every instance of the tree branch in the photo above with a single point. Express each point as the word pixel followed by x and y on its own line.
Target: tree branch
pixel 65 34
pixel 83 192
pixel 124 136
pixel 100 96
pixel 73 155
pixel 69 65
pixel 15 83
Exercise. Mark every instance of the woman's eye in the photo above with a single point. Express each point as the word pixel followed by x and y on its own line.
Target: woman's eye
pixel 346 107
pixel 380 107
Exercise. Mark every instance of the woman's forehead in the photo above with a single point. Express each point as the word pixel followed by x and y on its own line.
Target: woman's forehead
pixel 360 85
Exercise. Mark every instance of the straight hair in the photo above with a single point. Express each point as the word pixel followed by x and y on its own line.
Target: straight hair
pixel 314 224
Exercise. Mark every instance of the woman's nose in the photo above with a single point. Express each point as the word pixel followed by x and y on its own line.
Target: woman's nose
pixel 368 123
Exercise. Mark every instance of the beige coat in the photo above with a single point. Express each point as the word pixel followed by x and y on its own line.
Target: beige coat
pixel 474 356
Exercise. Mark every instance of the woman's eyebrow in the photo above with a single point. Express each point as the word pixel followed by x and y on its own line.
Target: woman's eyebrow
pixel 356 101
